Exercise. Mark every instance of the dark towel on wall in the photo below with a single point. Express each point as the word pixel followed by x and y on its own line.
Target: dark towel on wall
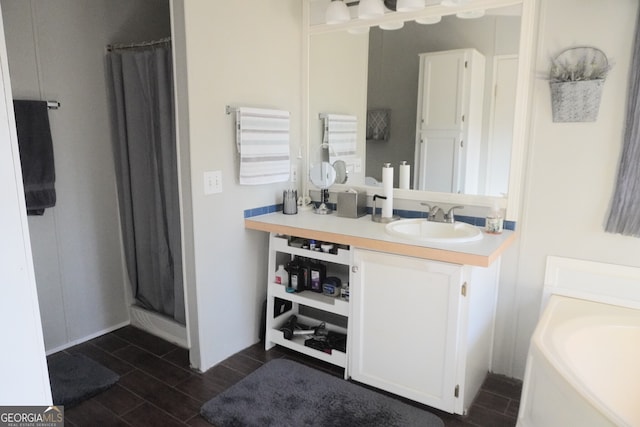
pixel 36 155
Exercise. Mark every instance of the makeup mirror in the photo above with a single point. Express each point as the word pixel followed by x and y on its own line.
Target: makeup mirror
pixel 323 176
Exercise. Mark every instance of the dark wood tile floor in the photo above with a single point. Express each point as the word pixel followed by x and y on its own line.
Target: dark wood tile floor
pixel 157 387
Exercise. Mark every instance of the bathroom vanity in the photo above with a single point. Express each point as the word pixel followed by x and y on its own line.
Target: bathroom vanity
pixel 419 318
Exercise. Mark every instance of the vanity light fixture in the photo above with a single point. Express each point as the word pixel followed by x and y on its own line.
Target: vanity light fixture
pixel 409 5
pixel 453 3
pixel 358 30
pixel 428 20
pixel 370 9
pixel 471 14
pixel 392 25
pixel 337 12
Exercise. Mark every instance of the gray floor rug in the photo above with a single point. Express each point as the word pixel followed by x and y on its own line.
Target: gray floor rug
pixel 284 393
pixel 75 377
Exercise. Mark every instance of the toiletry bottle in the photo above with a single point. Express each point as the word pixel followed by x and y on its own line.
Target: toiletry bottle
pixel 282 277
pixel 317 273
pixel 305 273
pixel 493 224
pixel 295 279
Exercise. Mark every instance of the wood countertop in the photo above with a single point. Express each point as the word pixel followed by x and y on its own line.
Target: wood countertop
pixel 366 234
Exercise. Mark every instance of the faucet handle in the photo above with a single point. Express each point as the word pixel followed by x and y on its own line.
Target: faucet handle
pixel 428 206
pixel 449 216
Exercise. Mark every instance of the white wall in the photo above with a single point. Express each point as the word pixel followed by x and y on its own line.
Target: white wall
pixel 23 367
pixel 238 53
pixel 56 52
pixel 571 170
pixel 248 52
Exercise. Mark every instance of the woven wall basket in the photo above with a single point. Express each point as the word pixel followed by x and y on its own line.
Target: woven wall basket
pixel 576 101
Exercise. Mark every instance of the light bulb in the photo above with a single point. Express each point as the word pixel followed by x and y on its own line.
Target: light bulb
pixel 392 25
pixel 427 20
pixel 337 12
pixel 409 5
pixel 370 9
pixel 471 14
pixel 358 30
pixel 453 3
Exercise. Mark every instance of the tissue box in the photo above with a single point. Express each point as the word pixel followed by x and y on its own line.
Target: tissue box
pixel 352 204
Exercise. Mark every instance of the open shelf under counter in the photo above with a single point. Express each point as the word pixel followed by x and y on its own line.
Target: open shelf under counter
pixel 281 244
pixel 317 300
pixel 336 357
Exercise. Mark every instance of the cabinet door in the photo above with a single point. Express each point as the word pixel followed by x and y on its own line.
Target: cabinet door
pixel 405 326
pixel 441 154
pixel 442 86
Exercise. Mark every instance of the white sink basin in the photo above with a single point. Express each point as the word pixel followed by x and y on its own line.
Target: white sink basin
pixel 421 230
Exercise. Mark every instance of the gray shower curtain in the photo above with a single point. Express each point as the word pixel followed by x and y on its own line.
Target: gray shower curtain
pixel 142 110
pixel 624 213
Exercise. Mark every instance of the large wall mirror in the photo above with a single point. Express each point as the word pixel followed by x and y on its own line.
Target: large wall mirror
pixel 361 70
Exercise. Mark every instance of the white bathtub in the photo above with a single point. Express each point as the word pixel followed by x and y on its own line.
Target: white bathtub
pixel 583 367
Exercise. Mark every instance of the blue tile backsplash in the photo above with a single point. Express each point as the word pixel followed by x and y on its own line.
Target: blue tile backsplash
pixel 480 222
pixel 248 213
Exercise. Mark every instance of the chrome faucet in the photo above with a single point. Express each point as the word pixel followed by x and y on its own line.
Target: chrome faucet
pixel 449 216
pixel 435 213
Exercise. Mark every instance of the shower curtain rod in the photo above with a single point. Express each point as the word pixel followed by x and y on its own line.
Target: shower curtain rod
pixel 119 46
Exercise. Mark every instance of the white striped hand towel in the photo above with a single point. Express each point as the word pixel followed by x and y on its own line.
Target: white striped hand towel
pixel 262 137
pixel 341 132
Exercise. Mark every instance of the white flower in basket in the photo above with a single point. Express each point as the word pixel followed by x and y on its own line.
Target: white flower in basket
pixel 576 77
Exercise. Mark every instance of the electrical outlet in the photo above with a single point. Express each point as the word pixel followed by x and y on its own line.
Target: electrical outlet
pixel 212 182
pixel 294 173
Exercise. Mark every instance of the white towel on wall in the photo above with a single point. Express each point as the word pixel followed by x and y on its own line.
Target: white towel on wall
pixel 341 132
pixel 262 137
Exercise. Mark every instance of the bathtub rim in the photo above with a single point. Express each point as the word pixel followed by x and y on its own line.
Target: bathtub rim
pixel 562 368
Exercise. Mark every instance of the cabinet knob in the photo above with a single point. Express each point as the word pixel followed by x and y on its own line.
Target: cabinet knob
pixel 354 269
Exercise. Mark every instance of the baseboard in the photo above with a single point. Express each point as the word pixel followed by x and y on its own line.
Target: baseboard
pixel 87 338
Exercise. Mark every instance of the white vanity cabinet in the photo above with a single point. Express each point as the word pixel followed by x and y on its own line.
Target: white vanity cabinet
pixel 421 329
pixel 419 319
pixel 449 121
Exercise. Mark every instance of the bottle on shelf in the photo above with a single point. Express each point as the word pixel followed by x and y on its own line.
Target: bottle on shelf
pixel 296 277
pixel 282 276
pixel 317 272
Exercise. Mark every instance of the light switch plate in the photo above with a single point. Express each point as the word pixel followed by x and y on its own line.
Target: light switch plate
pixel 212 182
pixel 357 165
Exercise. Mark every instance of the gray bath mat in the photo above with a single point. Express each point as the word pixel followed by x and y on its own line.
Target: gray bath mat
pixel 287 394
pixel 75 377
